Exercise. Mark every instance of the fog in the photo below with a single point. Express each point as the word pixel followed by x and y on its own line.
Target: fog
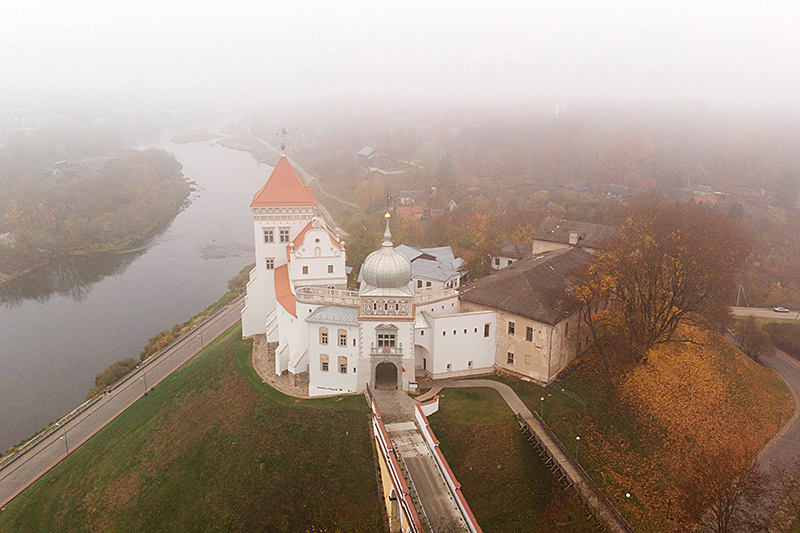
pixel 233 53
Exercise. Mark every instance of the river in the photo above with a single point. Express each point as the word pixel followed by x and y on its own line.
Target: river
pixel 65 322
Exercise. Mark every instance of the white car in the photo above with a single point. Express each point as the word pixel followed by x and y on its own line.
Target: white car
pixel 780 309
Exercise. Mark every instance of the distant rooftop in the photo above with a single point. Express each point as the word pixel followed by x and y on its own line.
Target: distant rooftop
pixel 514 250
pixel 589 235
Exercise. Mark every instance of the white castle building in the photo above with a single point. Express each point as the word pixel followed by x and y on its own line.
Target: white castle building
pixel 394 327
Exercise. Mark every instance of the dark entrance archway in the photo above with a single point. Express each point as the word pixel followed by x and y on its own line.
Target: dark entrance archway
pixel 386 376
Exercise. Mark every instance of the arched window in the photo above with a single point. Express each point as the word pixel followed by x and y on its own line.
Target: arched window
pixel 342 337
pixel 323 336
pixel 323 362
pixel 342 364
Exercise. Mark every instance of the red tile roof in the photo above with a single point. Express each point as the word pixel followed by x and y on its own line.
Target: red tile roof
pixel 283 290
pixel 283 187
pixel 705 199
pixel 302 235
pixel 410 210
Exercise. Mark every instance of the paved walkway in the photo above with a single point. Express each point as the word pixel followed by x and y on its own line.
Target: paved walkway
pixel 397 414
pixel 32 464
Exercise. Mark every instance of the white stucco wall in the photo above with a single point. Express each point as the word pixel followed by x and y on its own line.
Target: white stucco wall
pixel 261 290
pixel 458 344
pixel 316 253
pixel 259 301
pixel 540 247
pixel 332 381
pixel 450 306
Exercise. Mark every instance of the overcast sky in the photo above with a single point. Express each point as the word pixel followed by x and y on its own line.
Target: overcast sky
pixel 716 52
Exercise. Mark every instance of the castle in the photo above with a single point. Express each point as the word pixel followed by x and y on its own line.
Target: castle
pixel 396 326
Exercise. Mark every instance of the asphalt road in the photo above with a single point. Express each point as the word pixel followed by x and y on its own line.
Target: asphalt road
pixel 27 468
pixel 764 312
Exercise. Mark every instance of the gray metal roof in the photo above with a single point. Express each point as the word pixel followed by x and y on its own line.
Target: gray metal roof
pixel 589 235
pixel 442 253
pixel 534 287
pixel 443 267
pixel 435 270
pixel 335 314
pixel 408 251
pixel 366 151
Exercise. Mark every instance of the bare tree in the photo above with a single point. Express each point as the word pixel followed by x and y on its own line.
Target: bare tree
pixel 750 339
pixel 730 502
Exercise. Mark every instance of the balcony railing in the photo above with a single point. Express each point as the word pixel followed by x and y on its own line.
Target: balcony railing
pixel 386 350
pixel 423 296
pixel 323 295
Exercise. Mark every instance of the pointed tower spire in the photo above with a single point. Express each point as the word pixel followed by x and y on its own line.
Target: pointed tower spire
pixel 387 235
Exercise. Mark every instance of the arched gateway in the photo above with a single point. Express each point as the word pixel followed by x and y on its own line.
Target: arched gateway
pixel 386 376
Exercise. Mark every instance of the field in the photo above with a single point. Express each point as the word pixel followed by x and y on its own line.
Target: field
pixel 214 448
pixel 505 482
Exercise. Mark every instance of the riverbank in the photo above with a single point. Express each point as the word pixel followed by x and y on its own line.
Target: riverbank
pixel 129 201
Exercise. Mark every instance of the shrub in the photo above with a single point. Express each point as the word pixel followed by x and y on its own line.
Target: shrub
pixel 111 375
pixel 785 336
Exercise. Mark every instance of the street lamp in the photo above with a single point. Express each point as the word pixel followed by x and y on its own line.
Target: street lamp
pixel 541 411
pixel 577 443
pixel 64 438
pixel 144 379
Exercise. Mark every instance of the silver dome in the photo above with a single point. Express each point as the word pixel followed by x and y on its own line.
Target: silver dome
pixel 387 268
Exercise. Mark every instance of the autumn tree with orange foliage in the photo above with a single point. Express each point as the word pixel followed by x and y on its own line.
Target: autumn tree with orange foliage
pixel 672 265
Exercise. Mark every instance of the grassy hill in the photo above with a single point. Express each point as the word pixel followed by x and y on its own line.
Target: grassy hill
pixel 506 483
pixel 686 406
pixel 213 448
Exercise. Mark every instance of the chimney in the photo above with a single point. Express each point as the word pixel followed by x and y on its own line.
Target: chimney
pixel 573 238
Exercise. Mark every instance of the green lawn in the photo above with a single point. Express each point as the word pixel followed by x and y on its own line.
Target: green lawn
pixel 213 448
pixel 504 481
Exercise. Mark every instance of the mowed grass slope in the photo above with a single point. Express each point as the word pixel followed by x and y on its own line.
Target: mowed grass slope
pixel 506 484
pixel 646 434
pixel 212 448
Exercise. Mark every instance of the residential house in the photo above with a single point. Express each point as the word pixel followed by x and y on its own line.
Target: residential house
pixel 557 234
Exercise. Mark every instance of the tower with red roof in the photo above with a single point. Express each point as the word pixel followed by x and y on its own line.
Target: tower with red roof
pixel 292 248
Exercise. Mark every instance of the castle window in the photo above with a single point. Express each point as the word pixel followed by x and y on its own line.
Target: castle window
pixel 510 328
pixel 330 269
pixel 342 338
pixel 428 284
pixel 342 364
pixel 486 330
pixel 323 336
pixel 510 358
pixel 283 233
pixel 419 283
pixel 529 334
pixel 497 261
pixel 323 362
pixel 566 329
pixel 269 235
pixel 270 263
pixel 305 269
pixel 387 340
